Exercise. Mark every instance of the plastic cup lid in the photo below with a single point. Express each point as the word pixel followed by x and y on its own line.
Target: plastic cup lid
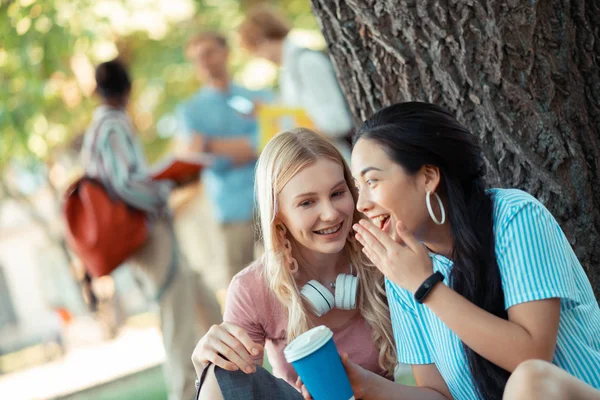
pixel 307 343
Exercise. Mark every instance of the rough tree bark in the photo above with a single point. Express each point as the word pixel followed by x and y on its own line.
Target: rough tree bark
pixel 523 75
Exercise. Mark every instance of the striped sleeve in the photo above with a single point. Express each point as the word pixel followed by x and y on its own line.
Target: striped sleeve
pixel 120 166
pixel 533 257
pixel 411 341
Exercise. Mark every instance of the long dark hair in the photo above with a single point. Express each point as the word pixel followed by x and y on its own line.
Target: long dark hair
pixel 415 134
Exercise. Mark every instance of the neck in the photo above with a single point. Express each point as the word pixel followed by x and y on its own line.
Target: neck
pixel 220 83
pixel 439 239
pixel 114 103
pixel 277 52
pixel 321 267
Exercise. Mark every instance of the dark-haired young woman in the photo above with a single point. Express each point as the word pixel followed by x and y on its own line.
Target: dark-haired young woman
pixel 478 280
pixel 113 154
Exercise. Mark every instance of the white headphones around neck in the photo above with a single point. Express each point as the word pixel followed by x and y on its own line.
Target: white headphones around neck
pixel 320 299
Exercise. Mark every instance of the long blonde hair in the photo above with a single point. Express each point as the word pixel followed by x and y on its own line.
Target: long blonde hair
pixel 283 157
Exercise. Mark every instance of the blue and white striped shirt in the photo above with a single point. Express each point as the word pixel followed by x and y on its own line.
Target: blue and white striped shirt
pixel 112 153
pixel 536 262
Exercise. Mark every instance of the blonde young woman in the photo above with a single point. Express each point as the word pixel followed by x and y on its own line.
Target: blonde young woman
pixel 307 207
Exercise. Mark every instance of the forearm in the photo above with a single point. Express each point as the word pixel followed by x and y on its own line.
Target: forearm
pixel 379 388
pixel 239 150
pixel 145 195
pixel 500 341
pixel 118 163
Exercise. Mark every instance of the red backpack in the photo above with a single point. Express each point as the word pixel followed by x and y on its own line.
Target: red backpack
pixel 99 227
pixel 103 231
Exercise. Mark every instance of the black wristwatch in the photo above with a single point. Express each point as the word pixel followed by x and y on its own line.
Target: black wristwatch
pixel 427 285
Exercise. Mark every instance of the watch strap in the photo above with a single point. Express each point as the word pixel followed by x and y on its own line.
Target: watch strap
pixel 427 285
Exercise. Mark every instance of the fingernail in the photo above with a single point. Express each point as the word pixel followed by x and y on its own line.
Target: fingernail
pixel 235 368
pixel 255 351
pixel 249 370
pixel 356 226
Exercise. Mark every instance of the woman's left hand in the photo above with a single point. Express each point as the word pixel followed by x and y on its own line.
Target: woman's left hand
pixel 360 379
pixel 303 390
pixel 407 266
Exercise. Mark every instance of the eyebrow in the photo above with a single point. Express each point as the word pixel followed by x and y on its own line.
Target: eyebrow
pixel 364 171
pixel 314 193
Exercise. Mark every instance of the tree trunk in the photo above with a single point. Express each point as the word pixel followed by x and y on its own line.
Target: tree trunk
pixel 522 75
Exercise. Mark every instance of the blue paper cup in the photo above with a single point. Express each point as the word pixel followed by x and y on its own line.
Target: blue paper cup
pixel 316 360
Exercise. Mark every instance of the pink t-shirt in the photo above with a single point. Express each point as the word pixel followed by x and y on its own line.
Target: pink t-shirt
pixel 252 306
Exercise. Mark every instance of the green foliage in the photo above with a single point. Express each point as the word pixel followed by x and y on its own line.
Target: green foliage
pixel 49 47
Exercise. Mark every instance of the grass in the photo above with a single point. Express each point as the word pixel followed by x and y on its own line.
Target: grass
pixel 144 385
pixel 150 385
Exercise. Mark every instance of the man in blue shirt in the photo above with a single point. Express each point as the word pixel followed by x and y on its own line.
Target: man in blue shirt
pixel 211 120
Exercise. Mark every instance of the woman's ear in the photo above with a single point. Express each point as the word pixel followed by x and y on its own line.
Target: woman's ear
pixel 431 177
pixel 280 226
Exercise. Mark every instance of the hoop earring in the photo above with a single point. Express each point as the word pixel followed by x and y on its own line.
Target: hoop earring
pixel 431 214
pixel 287 254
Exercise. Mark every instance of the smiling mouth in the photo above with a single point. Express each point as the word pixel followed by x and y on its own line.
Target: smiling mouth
pixel 380 220
pixel 329 231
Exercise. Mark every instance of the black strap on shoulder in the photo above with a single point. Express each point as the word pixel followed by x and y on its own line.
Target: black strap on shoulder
pixel 201 380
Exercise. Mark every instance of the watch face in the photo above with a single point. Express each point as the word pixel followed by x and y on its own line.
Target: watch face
pixel 427 286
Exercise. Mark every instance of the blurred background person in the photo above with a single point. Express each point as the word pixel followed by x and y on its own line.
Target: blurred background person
pixel 219 119
pixel 112 154
pixel 306 79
